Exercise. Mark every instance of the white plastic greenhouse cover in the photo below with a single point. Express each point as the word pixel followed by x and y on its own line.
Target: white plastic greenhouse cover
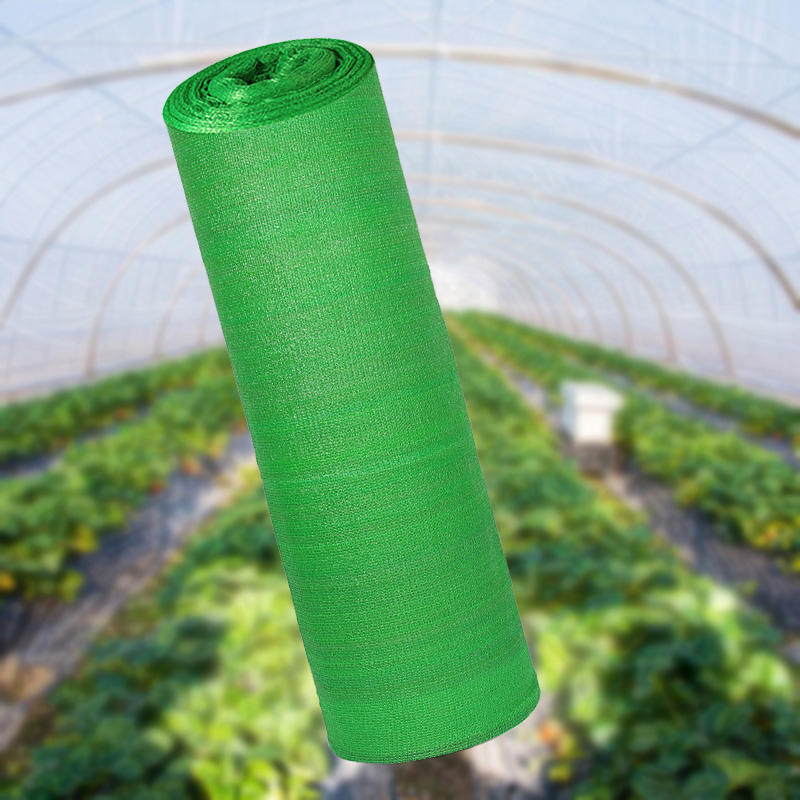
pixel 623 171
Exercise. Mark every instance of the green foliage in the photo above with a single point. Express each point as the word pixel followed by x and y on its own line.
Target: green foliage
pixel 665 682
pixel 48 423
pixel 47 518
pixel 756 414
pixel 216 701
pixel 751 495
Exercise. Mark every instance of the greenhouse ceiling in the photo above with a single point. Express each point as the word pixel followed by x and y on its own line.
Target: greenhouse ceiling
pixel 622 171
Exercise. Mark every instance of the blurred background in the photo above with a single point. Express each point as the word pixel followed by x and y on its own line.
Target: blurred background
pixel 607 195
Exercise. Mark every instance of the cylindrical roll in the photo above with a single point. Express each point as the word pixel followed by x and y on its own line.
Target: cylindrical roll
pixel 350 389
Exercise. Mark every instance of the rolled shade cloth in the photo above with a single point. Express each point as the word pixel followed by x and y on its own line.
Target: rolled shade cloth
pixel 350 390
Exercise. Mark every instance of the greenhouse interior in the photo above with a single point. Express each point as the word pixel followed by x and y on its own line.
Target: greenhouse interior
pixel 607 200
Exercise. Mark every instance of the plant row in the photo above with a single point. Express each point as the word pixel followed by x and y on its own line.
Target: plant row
pixel 48 518
pixel 665 684
pixel 202 690
pixel 756 414
pixel 46 424
pixel 751 495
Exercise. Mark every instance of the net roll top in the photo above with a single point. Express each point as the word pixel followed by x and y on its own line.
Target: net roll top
pixel 267 84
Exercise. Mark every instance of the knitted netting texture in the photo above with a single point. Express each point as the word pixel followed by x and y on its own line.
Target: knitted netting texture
pixel 350 390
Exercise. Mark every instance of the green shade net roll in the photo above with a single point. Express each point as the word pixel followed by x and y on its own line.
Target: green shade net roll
pixel 350 389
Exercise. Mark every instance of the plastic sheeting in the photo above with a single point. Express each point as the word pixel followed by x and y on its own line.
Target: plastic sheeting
pixel 622 171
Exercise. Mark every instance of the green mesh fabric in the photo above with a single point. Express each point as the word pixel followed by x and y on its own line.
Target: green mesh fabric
pixel 350 390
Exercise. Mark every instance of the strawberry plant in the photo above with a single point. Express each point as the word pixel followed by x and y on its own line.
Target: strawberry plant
pixel 45 424
pixel 751 495
pixel 209 696
pixel 49 517
pixel 665 683
pixel 755 413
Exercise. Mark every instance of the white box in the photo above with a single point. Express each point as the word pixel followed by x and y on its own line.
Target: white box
pixel 588 413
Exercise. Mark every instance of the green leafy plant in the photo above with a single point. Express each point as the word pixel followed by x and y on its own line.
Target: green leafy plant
pixel 49 517
pixel 750 494
pixel 666 684
pixel 213 699
pixel 46 424
pixel 755 413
